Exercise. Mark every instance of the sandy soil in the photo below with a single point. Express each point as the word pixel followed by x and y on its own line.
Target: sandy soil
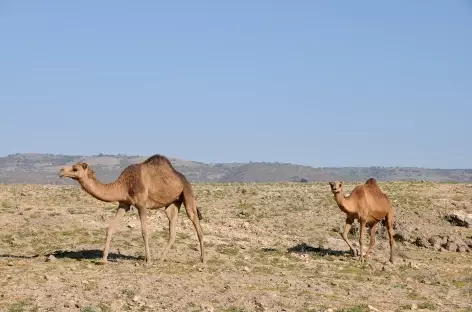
pixel 270 247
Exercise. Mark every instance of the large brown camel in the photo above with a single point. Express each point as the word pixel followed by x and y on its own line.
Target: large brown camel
pixel 151 184
pixel 368 204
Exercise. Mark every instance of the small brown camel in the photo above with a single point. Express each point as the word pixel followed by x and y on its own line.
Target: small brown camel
pixel 151 184
pixel 368 204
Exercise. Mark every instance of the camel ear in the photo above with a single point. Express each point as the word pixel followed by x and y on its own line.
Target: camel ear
pixel 84 166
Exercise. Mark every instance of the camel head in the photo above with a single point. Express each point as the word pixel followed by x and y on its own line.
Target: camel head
pixel 77 171
pixel 336 186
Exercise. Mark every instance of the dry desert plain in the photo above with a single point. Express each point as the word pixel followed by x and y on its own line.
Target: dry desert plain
pixel 270 247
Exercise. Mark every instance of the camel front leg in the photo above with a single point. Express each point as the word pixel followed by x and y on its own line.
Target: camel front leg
pixel 143 218
pixel 172 212
pixel 347 227
pixel 111 228
pixel 361 238
pixel 372 232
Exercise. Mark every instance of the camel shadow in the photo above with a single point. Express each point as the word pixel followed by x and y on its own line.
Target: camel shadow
pixel 91 254
pixel 19 257
pixel 303 248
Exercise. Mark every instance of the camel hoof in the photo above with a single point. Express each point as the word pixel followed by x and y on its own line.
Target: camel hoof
pixel 101 262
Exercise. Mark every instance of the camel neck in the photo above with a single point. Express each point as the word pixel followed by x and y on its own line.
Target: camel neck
pixel 343 202
pixel 111 192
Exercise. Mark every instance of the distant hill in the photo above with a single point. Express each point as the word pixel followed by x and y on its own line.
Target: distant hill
pixel 43 169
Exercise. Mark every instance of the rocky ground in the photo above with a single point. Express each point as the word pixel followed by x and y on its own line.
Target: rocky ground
pixel 270 247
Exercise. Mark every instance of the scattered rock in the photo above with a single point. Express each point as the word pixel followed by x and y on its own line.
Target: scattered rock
pixel 259 305
pixel 131 225
pixel 460 218
pixel 404 234
pixel 468 242
pixel 50 277
pixel 10 264
pixel 462 249
pixel 207 307
pixel 136 298
pixel 328 310
pixel 413 265
pixel 450 246
pixel 422 242
pixel 386 268
pixel 69 304
pixel 459 242
pixel 243 214
pixel 50 258
pixel 448 243
pixel 371 308
pixel 414 306
pixel 435 240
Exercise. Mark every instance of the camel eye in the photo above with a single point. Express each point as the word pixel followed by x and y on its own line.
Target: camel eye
pixel 74 169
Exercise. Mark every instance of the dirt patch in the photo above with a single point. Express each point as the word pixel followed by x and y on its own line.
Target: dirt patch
pixel 270 247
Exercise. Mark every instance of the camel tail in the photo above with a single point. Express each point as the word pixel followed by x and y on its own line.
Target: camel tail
pixel 189 198
pixel 199 214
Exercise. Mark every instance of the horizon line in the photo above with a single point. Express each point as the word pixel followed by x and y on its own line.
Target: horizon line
pixel 219 163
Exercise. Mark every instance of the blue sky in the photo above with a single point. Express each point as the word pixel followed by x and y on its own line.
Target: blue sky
pixel 321 83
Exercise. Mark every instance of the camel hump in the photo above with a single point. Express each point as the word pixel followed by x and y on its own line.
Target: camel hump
pixel 371 181
pixel 159 160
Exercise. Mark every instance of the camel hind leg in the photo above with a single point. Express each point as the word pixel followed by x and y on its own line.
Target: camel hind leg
pixel 172 213
pixel 372 232
pixel 194 215
pixel 390 218
pixel 361 238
